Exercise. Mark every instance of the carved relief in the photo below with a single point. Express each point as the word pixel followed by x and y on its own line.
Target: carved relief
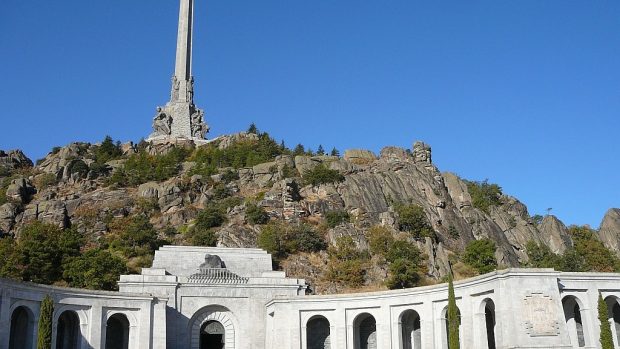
pixel 162 123
pixel 541 315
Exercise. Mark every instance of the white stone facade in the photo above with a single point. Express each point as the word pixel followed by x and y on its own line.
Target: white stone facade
pixel 196 297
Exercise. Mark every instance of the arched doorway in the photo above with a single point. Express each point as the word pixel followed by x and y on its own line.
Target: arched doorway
pixel 212 335
pixel 117 332
pixel 489 319
pixel 22 328
pixel 613 309
pixel 446 325
pixel 365 332
pixel 318 333
pixel 68 334
pixel 572 314
pixel 410 335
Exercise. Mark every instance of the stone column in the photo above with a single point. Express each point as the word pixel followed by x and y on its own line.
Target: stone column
pixel 5 319
pixel 183 67
pixel 97 326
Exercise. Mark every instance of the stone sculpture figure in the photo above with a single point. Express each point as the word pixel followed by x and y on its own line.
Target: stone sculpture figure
pixel 199 128
pixel 162 123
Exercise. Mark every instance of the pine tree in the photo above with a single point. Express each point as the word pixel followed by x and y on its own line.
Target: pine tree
pixel 453 317
pixel 603 316
pixel 253 129
pixel 320 150
pixel 44 338
pixel 335 152
pixel 299 150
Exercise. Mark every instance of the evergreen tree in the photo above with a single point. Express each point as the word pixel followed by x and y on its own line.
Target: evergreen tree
pixel 453 316
pixel 603 316
pixel 253 129
pixel 320 150
pixel 299 150
pixel 335 152
pixel 44 337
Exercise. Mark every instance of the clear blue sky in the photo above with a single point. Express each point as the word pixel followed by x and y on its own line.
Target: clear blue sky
pixel 525 93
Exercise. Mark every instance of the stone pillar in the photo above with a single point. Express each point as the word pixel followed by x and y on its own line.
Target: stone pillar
pixel 97 326
pixel 184 41
pixel 5 319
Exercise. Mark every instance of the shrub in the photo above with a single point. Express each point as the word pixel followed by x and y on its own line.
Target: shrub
pixel 45 180
pixel 199 237
pixel 108 150
pixel 347 265
pixel 480 254
pixel 208 218
pixel 46 317
pixel 143 167
pixel 596 256
pixel 80 168
pixel 281 239
pixel 335 218
pixel 380 240
pixel 484 195
pixel 221 191
pixel 540 256
pixel 230 176
pixel 411 218
pixel 134 236
pixel 320 174
pixel 406 265
pixel 537 219
pixel 96 269
pixel 9 268
pixel 303 238
pixel 256 215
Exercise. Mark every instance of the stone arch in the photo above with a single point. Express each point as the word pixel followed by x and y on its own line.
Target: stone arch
pixel 613 309
pixel 22 327
pixel 318 333
pixel 488 307
pixel 446 327
pixel 81 313
pixel 214 313
pixel 118 332
pixel 365 331
pixel 572 313
pixel 410 330
pixel 68 334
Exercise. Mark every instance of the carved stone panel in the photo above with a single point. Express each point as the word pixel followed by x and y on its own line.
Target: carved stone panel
pixel 541 315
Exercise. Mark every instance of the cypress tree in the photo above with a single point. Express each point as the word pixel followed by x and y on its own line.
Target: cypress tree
pixel 453 316
pixel 44 337
pixel 603 316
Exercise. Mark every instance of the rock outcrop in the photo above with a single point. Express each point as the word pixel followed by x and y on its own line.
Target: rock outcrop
pixel 610 230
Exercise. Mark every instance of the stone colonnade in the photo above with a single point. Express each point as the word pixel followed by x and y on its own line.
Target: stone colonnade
pixel 82 319
pixel 514 308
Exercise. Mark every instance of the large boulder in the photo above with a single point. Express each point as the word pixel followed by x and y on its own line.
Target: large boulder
pixel 20 190
pixel 359 156
pixel 554 234
pixel 13 159
pixel 610 230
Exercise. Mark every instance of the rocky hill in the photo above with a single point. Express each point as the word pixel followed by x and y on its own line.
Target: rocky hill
pixel 88 187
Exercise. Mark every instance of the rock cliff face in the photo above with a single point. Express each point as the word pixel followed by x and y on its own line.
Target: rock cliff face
pixel 58 192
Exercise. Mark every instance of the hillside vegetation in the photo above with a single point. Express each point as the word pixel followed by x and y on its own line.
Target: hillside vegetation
pixel 88 212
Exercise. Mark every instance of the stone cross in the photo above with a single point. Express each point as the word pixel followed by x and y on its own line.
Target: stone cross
pixel 180 118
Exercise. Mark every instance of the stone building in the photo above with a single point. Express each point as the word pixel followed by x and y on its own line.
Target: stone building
pixel 203 298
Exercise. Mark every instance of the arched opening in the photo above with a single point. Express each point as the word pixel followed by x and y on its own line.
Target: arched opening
pixel 613 309
pixel 117 332
pixel 68 334
pixel 22 328
pixel 365 332
pixel 572 314
pixel 212 335
pixel 489 319
pixel 446 325
pixel 318 333
pixel 410 335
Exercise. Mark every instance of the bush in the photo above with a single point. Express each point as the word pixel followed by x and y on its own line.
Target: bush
pixel 540 256
pixel 411 218
pixel 80 168
pixel 9 268
pixel 45 180
pixel 230 176
pixel 134 236
pixel 406 265
pixel 480 254
pixel 143 167
pixel 108 150
pixel 96 269
pixel 335 218
pixel 281 239
pixel 199 237
pixel 320 174
pixel 380 240
pixel 347 265
pixel 484 195
pixel 256 215
pixel 596 256
pixel 210 217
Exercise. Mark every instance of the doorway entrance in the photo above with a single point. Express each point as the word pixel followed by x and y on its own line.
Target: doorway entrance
pixel 212 335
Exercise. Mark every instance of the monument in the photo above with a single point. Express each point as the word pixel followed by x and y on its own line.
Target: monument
pixel 180 118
